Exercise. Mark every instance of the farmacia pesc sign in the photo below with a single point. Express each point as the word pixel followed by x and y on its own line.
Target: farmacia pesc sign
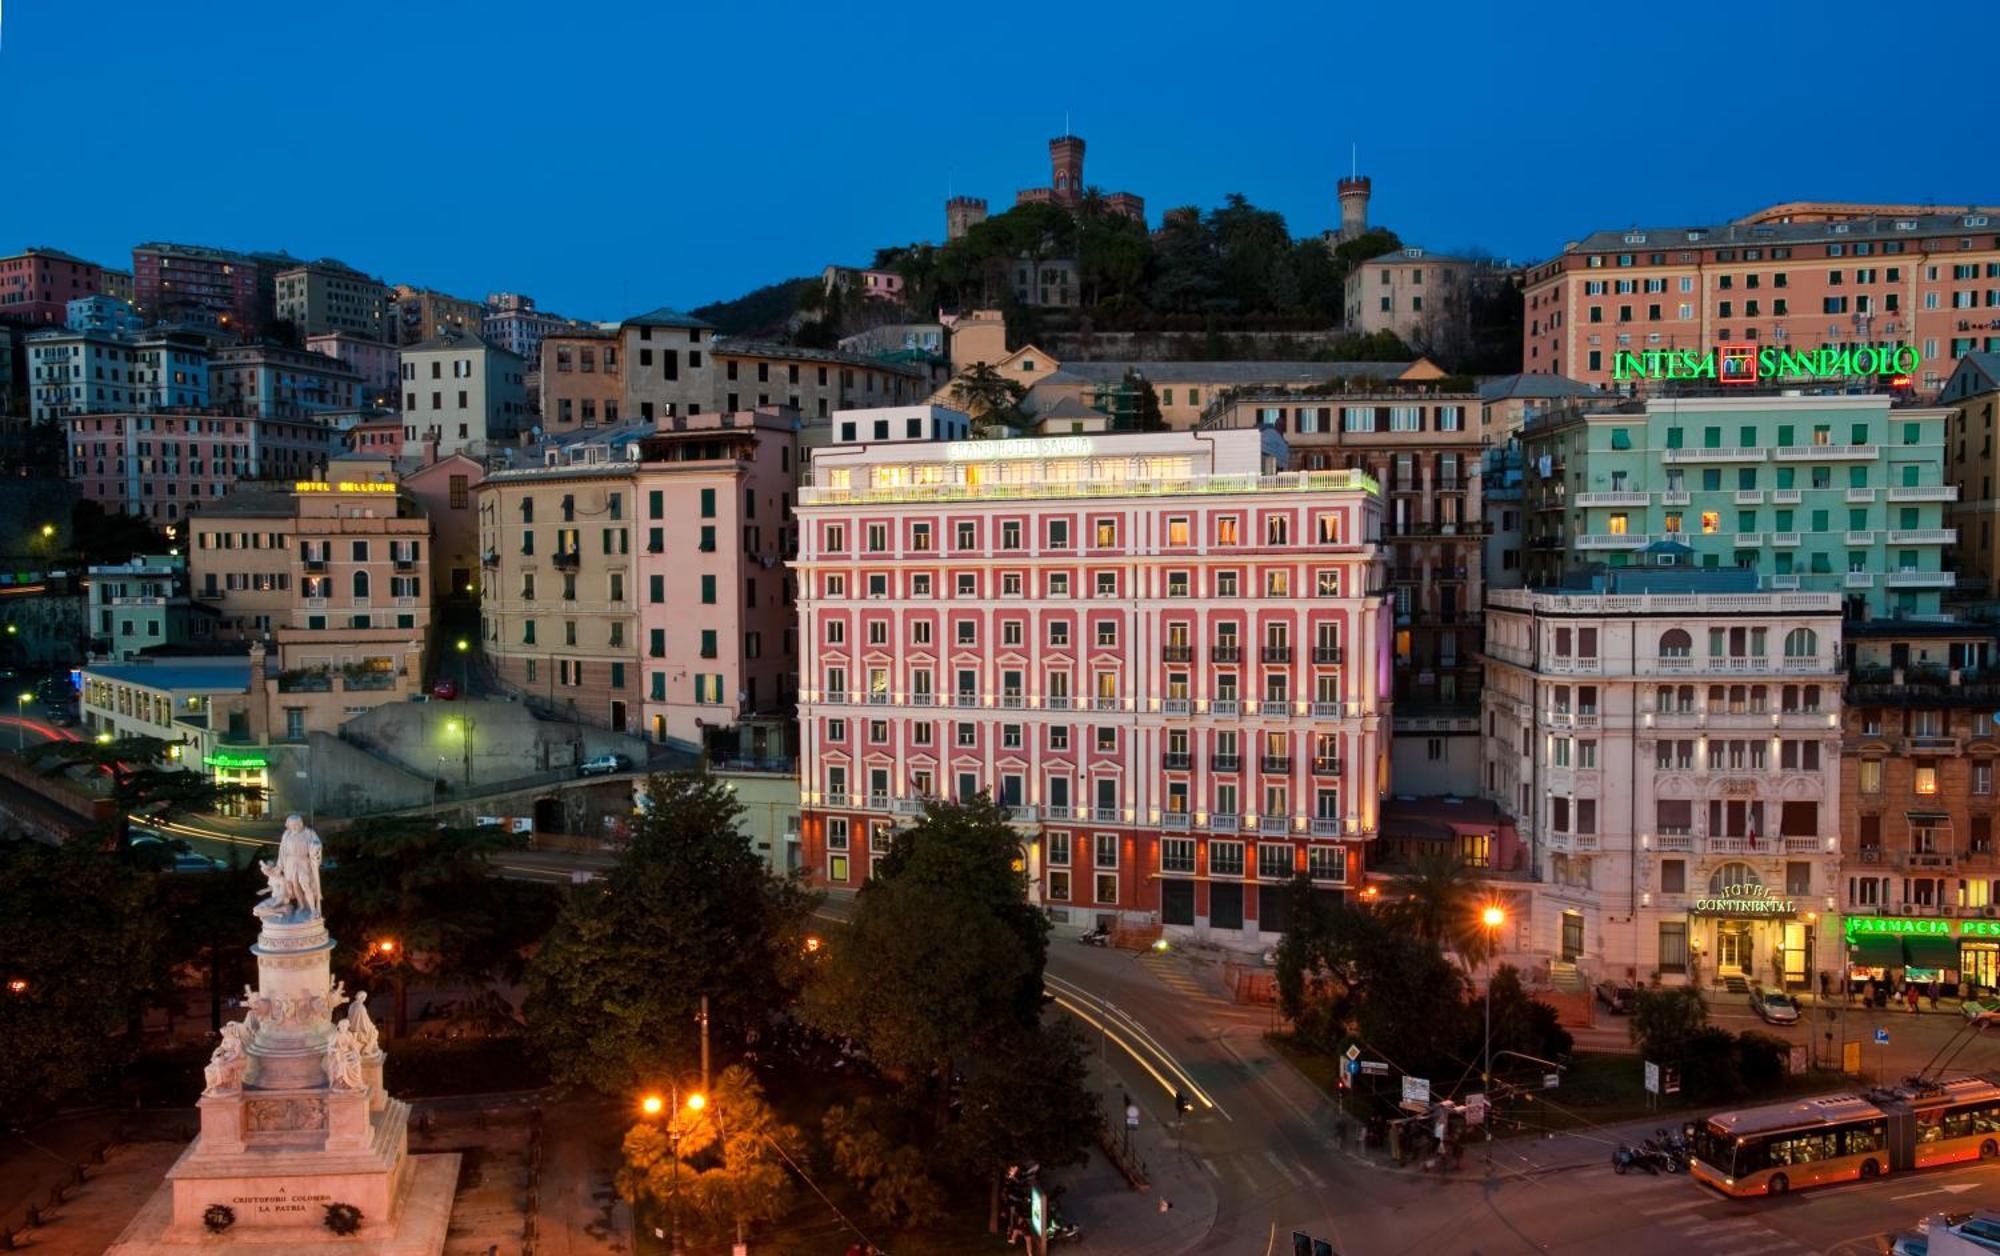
pixel 1750 364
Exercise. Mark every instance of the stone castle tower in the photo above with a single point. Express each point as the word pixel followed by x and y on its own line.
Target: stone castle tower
pixel 961 214
pixel 1066 169
pixel 1354 205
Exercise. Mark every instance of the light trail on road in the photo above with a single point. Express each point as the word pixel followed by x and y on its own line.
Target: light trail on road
pixel 1066 993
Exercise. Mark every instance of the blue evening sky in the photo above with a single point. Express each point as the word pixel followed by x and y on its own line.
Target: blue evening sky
pixel 610 157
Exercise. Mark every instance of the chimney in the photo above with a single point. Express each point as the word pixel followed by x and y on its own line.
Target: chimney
pixel 258 697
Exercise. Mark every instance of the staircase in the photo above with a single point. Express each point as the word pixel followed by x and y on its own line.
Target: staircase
pixel 1735 984
pixel 1564 976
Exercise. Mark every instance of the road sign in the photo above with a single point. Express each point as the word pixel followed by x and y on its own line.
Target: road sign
pixel 1850 1057
pixel 1038 1212
pixel 1551 1080
pixel 1417 1090
pixel 1652 1078
pixel 1131 1116
pixel 1881 1037
pixel 1475 1109
pixel 1353 1052
pixel 1375 1068
pixel 1351 1067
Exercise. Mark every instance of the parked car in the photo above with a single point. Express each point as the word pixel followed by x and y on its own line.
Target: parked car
pixel 1618 996
pixel 446 689
pixel 1774 1007
pixel 603 765
pixel 173 853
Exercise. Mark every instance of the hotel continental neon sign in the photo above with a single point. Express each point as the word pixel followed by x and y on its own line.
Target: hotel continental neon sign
pixel 1751 364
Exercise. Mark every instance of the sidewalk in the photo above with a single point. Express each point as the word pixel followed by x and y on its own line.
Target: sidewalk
pixel 1116 1218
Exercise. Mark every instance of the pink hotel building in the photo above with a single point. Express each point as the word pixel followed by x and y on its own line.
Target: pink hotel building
pixel 1166 654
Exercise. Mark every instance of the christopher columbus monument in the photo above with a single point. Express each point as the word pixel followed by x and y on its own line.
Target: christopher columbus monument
pixel 300 1150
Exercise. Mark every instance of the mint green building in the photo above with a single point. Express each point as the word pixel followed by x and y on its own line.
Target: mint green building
pixel 1825 494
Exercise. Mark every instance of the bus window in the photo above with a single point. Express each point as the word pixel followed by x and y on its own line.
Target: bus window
pixel 1930 1128
pixel 1859 1139
pixel 1986 1119
pixel 1957 1124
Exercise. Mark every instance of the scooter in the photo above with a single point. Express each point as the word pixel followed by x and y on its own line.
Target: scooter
pixel 1663 1156
pixel 1626 1159
pixel 1099 936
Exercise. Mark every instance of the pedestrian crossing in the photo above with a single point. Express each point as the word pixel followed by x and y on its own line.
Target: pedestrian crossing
pixel 1174 977
pixel 1738 1235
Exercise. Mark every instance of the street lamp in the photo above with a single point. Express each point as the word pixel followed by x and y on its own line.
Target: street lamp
pixel 464 667
pixel 652 1105
pixel 1491 919
pixel 387 953
pixel 21 720
pixel 463 729
pixel 17 985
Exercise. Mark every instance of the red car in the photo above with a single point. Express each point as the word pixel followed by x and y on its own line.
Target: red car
pixel 445 689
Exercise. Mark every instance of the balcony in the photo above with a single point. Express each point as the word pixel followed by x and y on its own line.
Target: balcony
pixel 1924 493
pixel 1720 453
pixel 1061 811
pixel 836 798
pixel 1803 845
pixel 1177 706
pixel 1276 764
pixel 1101 703
pixel 1227 653
pixel 1326 764
pixel 1860 496
pixel 1923 536
pixel 1225 763
pixel 923 699
pixel 314 565
pixel 1782 582
pixel 1614 541
pixel 491 558
pixel 1749 496
pixel 567 559
pixel 403 563
pixel 908 806
pixel 1224 822
pixel 1176 820
pixel 1105 815
pixel 963 699
pixel 878 802
pixel 1225 706
pixel 1277 654
pixel 319 681
pixel 1829 453
pixel 1329 654
pixel 1859 538
pixel 1749 540
pixel 1021 814
pixel 1177 761
pixel 1933 745
pixel 1673 842
pixel 1926 859
pixel 1919 580
pixel 1058 702
pixel 1334 710
pixel 1571 720
pixel 1326 826
pixel 1785 540
pixel 1177 653
pixel 1676 497
pixel 1273 824
pixel 1786 496
pixel 1611 499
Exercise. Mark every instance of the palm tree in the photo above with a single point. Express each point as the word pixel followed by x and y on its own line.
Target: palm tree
pixel 1442 904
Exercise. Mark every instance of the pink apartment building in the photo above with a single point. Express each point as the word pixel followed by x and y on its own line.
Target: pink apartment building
pixel 165 466
pixel 1163 651
pixel 37 285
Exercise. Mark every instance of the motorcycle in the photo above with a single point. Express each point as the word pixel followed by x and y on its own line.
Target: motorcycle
pixel 1662 1156
pixel 1677 1151
pixel 1627 1158
pixel 1099 936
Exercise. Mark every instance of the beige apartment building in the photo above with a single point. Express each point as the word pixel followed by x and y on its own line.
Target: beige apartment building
pixel 583 381
pixel 327 296
pixel 1973 395
pixel 420 314
pixel 1419 295
pixel 461 393
pixel 333 575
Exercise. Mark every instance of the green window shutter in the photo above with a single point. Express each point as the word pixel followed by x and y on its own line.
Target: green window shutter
pixel 708 590
pixel 657 643
pixel 659 686
pixel 1785 435
pixel 1711 438
pixel 656 589
pixel 617 675
pixel 656 504
pixel 708 503
pixel 1673 438
pixel 1819 520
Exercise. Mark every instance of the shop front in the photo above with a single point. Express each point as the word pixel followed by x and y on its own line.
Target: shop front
pixel 1924 949
pixel 241 768
pixel 1751 931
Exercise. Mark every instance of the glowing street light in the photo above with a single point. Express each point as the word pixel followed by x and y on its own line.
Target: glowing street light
pixel 104 739
pixel 21 720
pixel 48 530
pixel 1492 918
pixel 17 985
pixel 651 1105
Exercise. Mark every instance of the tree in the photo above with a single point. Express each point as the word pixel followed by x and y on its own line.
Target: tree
pixel 1665 1021
pixel 729 1173
pixel 1028 1099
pixel 141 785
pixel 102 537
pixel 991 399
pixel 80 932
pixel 432 889
pixel 688 910
pixel 1442 902
pixel 1318 983
pixel 872 1149
pixel 1521 1023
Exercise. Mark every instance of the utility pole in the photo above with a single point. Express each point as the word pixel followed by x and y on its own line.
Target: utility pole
pixel 703 1018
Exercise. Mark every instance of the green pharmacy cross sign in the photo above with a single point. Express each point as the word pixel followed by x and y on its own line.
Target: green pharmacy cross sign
pixel 1751 364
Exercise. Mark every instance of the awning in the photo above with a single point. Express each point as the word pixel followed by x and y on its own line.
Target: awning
pixel 1927 817
pixel 1930 951
pixel 1875 950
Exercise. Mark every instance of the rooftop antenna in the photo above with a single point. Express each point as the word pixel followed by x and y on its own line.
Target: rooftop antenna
pixel 1353 160
pixel 1065 123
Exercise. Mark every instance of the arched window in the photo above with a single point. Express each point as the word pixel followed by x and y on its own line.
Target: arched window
pixel 1731 875
pixel 360 584
pixel 1676 644
pixel 1801 643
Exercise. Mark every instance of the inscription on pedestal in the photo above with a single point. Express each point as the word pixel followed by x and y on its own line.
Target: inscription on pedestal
pixel 274 1116
pixel 280 1207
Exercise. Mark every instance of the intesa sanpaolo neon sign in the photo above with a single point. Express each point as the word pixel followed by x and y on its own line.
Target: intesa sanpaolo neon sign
pixel 1751 364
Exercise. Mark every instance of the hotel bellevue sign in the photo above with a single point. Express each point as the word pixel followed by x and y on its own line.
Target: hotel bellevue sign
pixel 1743 899
pixel 1751 364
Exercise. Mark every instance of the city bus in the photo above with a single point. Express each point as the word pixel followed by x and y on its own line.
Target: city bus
pixel 1841 1138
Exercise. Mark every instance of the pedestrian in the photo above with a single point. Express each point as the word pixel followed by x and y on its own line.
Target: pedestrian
pixel 1868 992
pixel 1934 993
pixel 1911 996
pixel 1825 984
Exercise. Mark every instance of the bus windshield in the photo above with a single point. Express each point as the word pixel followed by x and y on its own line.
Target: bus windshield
pixel 1718 1151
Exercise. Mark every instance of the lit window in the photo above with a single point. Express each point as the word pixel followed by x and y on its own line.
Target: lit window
pixel 1926 780
pixel 1711 521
